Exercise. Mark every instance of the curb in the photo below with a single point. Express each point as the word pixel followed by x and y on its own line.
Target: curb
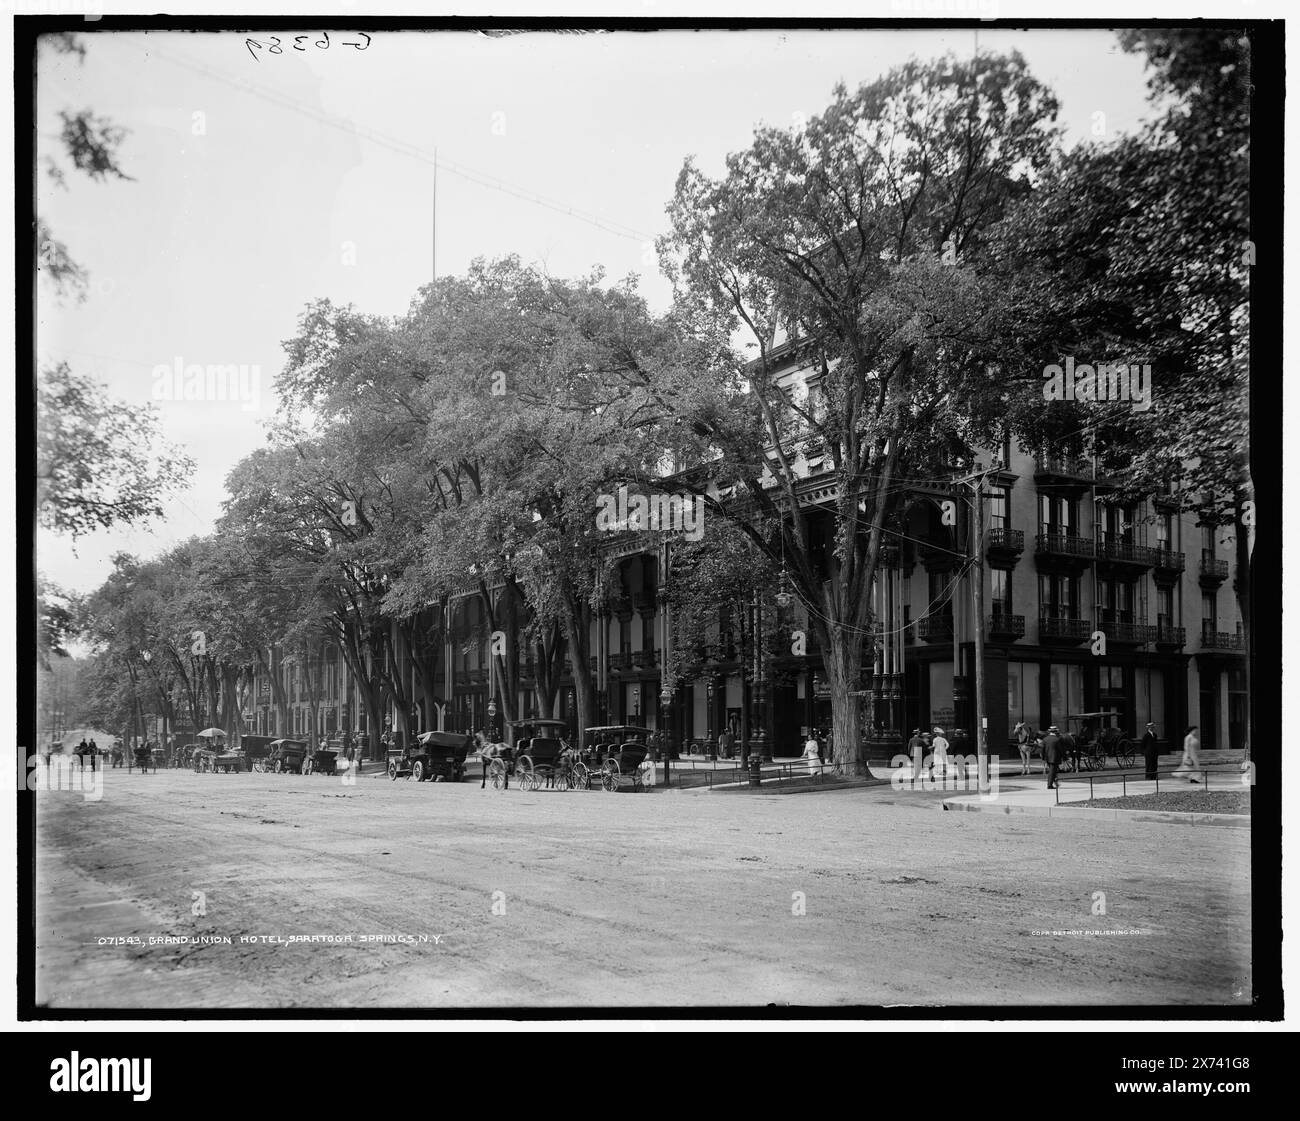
pixel 1163 817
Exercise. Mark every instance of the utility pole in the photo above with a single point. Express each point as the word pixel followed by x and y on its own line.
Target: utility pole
pixel 433 243
pixel 976 482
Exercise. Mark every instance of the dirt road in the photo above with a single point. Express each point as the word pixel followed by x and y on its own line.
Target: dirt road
pixel 549 898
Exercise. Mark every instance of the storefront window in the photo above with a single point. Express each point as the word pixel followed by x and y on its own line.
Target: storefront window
pixel 1022 694
pixel 941 710
pixel 1066 693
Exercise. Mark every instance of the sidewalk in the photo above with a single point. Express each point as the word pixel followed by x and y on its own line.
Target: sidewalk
pixel 1028 794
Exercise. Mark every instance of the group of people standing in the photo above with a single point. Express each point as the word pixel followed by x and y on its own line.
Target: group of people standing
pixel 1056 747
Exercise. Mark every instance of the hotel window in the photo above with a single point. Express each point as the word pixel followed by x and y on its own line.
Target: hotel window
pixel 1058 515
pixel 1058 596
pixel 1207 542
pixel 999 508
pixel 1165 607
pixel 1165 531
pixel 1209 612
pixel 1000 598
pixel 1120 522
pixel 1116 601
pixel 940 593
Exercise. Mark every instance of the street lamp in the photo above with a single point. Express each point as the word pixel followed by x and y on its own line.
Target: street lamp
pixel 492 716
pixel 665 699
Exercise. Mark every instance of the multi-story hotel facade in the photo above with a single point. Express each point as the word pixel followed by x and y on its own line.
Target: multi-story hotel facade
pixel 1089 606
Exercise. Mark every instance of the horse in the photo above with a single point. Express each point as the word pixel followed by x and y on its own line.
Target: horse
pixel 489 751
pixel 1027 741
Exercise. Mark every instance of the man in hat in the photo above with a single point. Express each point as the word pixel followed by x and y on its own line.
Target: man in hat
pixel 1151 751
pixel 1052 754
pixel 916 749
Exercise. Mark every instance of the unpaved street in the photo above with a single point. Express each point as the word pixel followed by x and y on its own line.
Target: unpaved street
pixel 593 899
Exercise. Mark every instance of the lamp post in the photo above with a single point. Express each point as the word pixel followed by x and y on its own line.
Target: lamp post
pixel 708 717
pixel 492 718
pixel 665 699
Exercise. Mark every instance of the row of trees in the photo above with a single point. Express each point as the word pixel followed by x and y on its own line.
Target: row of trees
pixel 928 243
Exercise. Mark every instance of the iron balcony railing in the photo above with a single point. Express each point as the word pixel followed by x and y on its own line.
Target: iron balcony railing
pixel 1006 540
pixel 935 627
pixel 1169 635
pixel 1212 639
pixel 1007 626
pixel 1139 633
pixel 1065 544
pixel 1073 630
pixel 1114 548
pixel 1064 466
pixel 1215 569
pixel 1166 560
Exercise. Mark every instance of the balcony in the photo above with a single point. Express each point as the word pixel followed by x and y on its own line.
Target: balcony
pixel 1063 551
pixel 1068 632
pixel 1168 564
pixel 1221 640
pixel 1170 637
pixel 1006 628
pixel 1062 467
pixel 1115 552
pixel 1212 572
pixel 1127 634
pixel 1068 475
pixel 645 659
pixel 1005 544
pixel 935 628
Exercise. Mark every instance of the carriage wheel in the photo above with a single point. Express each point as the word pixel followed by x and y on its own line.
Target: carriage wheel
pixel 1126 753
pixel 563 780
pixel 581 776
pixel 497 773
pixel 417 771
pixel 278 767
pixel 609 775
pixel 392 769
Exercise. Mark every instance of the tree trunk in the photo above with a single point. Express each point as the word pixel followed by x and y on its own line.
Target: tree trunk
pixel 843 660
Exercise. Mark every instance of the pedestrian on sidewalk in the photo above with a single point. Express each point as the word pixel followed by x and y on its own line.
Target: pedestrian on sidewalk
pixel 1052 755
pixel 1189 766
pixel 1151 751
pixel 939 750
pixel 812 751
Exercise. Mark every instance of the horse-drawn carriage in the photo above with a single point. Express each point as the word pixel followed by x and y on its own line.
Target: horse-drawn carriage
pixel 214 758
pixel 616 757
pixel 1096 738
pixel 434 755
pixel 542 758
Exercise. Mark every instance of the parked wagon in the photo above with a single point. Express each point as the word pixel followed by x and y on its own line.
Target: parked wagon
pixel 1097 738
pixel 615 760
pixel 287 756
pixel 439 756
pixel 257 750
pixel 542 757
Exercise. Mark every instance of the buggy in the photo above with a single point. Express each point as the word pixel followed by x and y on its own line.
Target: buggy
pixel 541 758
pixel 616 757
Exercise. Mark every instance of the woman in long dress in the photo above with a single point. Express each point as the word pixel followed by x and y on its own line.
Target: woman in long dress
pixel 1189 765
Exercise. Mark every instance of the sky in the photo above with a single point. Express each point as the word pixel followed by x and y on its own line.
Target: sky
pixel 262 182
